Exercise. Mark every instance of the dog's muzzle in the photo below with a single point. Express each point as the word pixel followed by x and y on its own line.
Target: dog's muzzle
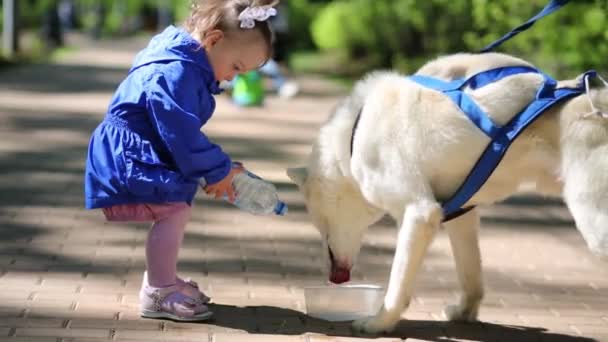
pixel 339 273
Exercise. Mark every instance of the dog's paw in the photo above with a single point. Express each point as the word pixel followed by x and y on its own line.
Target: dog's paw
pixel 461 313
pixel 375 325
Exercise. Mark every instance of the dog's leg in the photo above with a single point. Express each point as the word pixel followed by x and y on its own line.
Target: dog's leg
pixel 465 247
pixel 420 222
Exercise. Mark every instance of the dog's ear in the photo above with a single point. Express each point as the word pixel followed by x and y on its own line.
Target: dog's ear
pixel 297 175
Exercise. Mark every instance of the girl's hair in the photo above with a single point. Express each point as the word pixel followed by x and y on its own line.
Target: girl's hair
pixel 207 15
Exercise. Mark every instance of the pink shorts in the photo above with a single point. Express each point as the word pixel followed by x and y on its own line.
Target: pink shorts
pixel 142 212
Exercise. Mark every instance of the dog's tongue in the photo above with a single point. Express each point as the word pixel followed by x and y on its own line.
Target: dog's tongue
pixel 339 275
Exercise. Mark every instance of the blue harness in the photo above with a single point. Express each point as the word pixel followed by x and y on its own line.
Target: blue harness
pixel 501 136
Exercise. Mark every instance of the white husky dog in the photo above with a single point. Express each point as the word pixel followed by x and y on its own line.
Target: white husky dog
pixel 413 148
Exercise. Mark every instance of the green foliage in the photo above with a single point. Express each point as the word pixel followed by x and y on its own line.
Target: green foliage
pixel 389 30
pixel 122 17
pixel 403 33
pixel 572 39
pixel 328 29
pixel 30 12
pixel 181 8
pixel 301 14
pixel 399 33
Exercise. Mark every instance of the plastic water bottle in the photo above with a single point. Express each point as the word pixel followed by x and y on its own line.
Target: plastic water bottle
pixel 255 195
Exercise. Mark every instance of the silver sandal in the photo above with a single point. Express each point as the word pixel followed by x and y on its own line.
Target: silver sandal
pixel 169 302
pixel 202 298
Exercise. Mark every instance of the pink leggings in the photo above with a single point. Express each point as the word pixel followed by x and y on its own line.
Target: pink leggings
pixel 164 239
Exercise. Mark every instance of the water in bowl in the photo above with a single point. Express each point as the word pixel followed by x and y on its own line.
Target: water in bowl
pixel 343 302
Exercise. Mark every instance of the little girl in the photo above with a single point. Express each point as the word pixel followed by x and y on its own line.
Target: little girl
pixel 146 158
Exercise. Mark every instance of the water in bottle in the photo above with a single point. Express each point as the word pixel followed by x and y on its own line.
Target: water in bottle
pixel 255 195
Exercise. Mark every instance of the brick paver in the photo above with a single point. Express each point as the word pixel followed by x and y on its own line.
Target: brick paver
pixel 66 275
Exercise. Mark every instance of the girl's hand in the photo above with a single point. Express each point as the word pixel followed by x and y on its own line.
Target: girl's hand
pixel 224 186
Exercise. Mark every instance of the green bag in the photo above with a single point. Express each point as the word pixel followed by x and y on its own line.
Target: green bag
pixel 248 89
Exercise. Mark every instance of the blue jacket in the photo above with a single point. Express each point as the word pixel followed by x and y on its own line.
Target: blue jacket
pixel 149 148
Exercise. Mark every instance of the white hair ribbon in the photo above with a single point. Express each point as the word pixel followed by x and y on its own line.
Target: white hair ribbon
pixel 259 13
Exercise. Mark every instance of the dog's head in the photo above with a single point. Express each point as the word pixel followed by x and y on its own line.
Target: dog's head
pixel 337 215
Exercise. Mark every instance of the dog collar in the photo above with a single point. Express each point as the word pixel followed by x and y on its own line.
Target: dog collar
pixel 352 135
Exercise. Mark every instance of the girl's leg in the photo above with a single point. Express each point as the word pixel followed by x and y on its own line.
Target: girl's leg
pixel 164 241
pixel 162 247
pixel 161 297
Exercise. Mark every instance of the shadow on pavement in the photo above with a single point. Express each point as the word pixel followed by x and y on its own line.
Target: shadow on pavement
pixel 57 78
pixel 275 320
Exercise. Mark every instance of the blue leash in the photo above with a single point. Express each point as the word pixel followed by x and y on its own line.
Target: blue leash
pixel 551 7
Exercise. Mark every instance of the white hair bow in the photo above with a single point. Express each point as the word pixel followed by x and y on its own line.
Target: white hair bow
pixel 259 13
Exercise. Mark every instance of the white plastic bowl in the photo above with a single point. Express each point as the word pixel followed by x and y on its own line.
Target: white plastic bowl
pixel 343 302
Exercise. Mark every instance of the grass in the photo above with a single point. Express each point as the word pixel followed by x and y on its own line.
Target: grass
pixel 346 71
pixel 61 52
pixel 314 61
pixel 333 66
pixel 33 50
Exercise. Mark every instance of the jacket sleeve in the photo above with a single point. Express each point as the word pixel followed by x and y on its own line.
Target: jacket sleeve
pixel 173 106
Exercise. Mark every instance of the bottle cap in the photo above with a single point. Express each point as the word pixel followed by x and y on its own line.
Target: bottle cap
pixel 281 208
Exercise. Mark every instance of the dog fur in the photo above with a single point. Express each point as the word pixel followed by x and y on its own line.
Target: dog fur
pixel 413 148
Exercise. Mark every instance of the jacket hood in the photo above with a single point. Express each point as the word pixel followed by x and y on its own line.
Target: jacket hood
pixel 176 44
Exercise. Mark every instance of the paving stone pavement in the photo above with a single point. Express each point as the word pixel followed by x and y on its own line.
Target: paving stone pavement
pixel 66 275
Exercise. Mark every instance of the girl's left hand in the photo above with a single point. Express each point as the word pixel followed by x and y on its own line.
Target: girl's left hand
pixel 224 187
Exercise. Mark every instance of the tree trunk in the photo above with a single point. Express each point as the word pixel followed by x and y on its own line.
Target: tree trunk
pixel 10 31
